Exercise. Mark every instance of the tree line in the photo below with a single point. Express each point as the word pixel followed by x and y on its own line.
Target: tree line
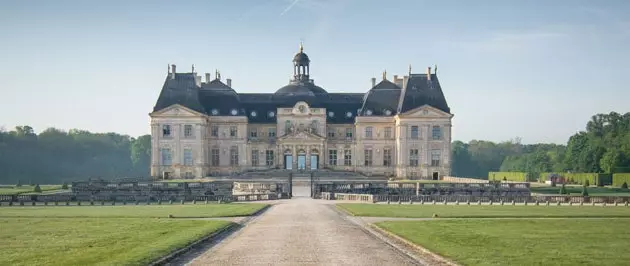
pixel 55 156
pixel 603 147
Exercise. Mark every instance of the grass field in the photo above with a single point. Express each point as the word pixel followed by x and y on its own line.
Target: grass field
pixel 521 242
pixel 88 241
pixel 577 190
pixel 464 211
pixel 27 189
pixel 105 235
pixel 130 211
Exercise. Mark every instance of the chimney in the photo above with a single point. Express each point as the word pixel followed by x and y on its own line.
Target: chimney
pixel 207 77
pixel 405 80
pixel 173 71
pixel 229 82
pixel 373 82
pixel 398 81
pixel 428 73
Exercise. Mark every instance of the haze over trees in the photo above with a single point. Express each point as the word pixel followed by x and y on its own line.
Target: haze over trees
pixel 55 156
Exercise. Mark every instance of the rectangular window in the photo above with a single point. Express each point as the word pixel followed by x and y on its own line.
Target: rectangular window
pixel 414 132
pixel 214 131
pixel 188 157
pixel 368 132
pixel 188 131
pixel 347 157
pixel 348 133
pixel 234 156
pixel 254 157
pixel 331 133
pixel 388 132
pixel 166 131
pixel 387 157
pixel 413 157
pixel 215 157
pixel 233 132
pixel 269 156
pixel 436 133
pixel 272 132
pixel 332 157
pixel 253 134
pixel 435 157
pixel 167 159
pixel 368 157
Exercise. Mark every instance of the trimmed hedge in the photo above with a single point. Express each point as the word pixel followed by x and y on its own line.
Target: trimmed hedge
pixel 619 178
pixel 580 178
pixel 510 176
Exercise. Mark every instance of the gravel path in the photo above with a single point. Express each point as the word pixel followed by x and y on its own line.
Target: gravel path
pixel 302 231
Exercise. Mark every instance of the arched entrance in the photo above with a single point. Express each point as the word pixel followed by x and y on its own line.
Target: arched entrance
pixel 301 160
pixel 288 159
pixel 314 159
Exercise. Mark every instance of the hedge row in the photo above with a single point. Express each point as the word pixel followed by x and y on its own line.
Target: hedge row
pixel 581 178
pixel 619 178
pixel 510 176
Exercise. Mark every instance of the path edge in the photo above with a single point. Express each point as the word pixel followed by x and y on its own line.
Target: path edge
pixel 230 228
pixel 415 246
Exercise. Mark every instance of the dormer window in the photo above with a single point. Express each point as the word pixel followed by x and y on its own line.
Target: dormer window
pixel 368 112
pixel 331 114
pixel 388 112
pixel 215 112
pixel 234 112
pixel 349 114
pixel 272 114
pixel 253 114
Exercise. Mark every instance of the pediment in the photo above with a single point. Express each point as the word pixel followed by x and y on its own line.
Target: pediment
pixel 177 111
pixel 301 136
pixel 426 111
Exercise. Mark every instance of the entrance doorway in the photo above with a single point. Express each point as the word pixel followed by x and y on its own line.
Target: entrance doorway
pixel 436 176
pixel 301 160
pixel 288 162
pixel 314 162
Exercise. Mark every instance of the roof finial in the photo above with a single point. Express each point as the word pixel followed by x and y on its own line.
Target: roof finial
pixel 301 47
pixel 435 69
pixel 385 74
pixel 193 68
pixel 409 69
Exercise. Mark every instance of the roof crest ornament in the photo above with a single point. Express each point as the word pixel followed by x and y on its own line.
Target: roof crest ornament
pixel 435 69
pixel 301 47
pixel 409 69
pixel 385 74
pixel 193 68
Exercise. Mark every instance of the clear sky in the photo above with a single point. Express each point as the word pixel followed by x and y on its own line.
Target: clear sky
pixel 531 69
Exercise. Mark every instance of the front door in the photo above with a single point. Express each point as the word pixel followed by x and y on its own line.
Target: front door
pixel 314 161
pixel 301 162
pixel 288 162
pixel 436 176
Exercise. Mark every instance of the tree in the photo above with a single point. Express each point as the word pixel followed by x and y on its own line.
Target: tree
pixel 64 186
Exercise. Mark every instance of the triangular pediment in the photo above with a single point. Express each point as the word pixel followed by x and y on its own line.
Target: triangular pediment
pixel 426 111
pixel 176 110
pixel 301 136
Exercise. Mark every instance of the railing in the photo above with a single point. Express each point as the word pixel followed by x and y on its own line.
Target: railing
pixel 473 199
pixel 347 197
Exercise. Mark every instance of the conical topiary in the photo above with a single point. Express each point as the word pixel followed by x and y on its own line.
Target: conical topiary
pixel 584 191
pixel 64 186
pixel 586 183
pixel 624 185
pixel 37 189
pixel 563 190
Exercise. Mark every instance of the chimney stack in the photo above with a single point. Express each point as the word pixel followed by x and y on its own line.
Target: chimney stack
pixel 173 71
pixel 229 82
pixel 429 73
pixel 373 82
pixel 207 77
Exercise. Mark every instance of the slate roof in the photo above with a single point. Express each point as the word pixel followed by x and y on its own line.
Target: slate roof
pixel 216 98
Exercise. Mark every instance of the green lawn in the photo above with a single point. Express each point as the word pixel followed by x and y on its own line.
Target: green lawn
pixel 577 190
pixel 89 241
pixel 27 189
pixel 521 242
pixel 464 211
pixel 131 211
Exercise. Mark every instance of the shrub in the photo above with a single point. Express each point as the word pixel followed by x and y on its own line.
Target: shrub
pixel 504 178
pixel 584 191
pixel 586 183
pixel 37 189
pixel 64 186
pixel 624 185
pixel 563 190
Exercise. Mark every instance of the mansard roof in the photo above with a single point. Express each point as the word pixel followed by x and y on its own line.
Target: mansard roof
pixel 422 89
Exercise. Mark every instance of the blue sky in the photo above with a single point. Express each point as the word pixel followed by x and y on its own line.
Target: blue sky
pixel 531 69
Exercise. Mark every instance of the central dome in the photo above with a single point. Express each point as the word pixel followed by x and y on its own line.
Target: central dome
pixel 301 89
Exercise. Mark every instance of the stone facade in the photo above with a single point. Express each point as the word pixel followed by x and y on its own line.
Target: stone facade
pixel 207 129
